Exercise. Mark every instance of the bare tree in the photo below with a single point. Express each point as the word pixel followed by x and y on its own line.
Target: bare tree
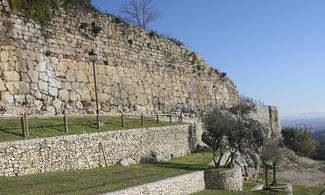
pixel 140 12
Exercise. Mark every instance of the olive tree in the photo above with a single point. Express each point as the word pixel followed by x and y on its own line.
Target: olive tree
pixel 271 156
pixel 236 132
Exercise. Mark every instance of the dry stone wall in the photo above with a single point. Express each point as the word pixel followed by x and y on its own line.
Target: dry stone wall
pixel 224 180
pixel 137 71
pixel 86 151
pixel 183 184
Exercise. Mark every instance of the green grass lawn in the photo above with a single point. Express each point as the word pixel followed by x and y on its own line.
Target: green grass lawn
pixel 302 190
pixel 10 129
pixel 102 180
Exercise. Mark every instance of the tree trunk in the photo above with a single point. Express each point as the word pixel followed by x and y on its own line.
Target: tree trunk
pixel 274 174
pixel 214 149
pixel 220 157
pixel 266 176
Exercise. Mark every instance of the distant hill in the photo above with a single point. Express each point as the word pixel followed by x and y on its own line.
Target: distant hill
pixel 315 124
pixel 319 135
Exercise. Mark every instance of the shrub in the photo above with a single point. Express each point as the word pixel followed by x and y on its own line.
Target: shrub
pixel 299 139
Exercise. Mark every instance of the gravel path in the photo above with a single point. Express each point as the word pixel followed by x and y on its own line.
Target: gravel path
pixel 304 171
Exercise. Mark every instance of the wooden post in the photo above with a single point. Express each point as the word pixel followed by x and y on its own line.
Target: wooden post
pixel 65 118
pixel 142 119
pixel 181 117
pixel 26 125
pixel 102 149
pixel 123 122
pixel 157 118
pixel 23 125
pixel 170 117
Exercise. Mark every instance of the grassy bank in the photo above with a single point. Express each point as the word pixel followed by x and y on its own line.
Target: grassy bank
pixel 102 180
pixel 10 129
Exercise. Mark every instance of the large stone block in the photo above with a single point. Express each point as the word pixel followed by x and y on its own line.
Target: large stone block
pixel 11 76
pixel 81 76
pixel 4 56
pixel 70 75
pixel 23 87
pixel 33 75
pixel 7 98
pixel 2 86
pixel 64 95
pixel 43 86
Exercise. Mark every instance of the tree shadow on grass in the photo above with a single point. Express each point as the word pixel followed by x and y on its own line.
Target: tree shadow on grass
pixel 10 132
pixel 188 167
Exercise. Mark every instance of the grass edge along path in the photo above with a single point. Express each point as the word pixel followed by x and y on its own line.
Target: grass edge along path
pixel 101 180
pixel 10 129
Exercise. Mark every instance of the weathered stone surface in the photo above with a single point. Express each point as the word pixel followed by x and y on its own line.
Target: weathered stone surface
pixel 11 76
pixel 83 152
pixel 149 74
pixel 23 87
pixel 43 86
pixel 33 75
pixel 2 86
pixel 53 91
pixel 64 95
pixel 183 184
pixel 4 55
pixel 124 163
pixel 269 117
pixel 224 180
pixel 7 98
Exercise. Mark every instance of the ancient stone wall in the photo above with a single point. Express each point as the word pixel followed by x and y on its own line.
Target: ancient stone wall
pixel 183 184
pixel 224 180
pixel 87 151
pixel 46 71
pixel 269 117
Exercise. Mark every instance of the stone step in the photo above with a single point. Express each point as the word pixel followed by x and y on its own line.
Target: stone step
pixel 258 187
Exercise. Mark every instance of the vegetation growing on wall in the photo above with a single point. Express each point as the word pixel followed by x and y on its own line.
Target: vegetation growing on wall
pixel 41 11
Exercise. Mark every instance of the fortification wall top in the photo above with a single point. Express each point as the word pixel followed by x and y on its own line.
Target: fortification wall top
pixel 49 69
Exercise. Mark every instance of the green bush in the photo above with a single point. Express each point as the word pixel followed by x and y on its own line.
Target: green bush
pixel 300 140
pixel 41 11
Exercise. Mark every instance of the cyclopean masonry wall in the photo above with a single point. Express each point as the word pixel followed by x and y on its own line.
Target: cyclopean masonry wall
pixel 269 117
pixel 86 151
pixel 137 71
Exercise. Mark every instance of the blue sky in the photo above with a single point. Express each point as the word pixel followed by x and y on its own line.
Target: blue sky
pixel 274 50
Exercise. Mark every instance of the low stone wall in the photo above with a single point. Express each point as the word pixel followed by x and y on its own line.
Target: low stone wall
pixel 87 151
pixel 183 184
pixel 225 180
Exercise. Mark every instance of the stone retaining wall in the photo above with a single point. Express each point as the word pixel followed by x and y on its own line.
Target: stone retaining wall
pixel 137 71
pixel 183 184
pixel 84 151
pixel 224 180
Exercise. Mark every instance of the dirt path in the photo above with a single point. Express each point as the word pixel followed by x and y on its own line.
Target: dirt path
pixel 303 171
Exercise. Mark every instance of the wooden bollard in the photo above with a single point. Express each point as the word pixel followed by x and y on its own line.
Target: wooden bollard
pixel 170 117
pixel 181 117
pixel 123 122
pixel 66 128
pixel 26 125
pixel 157 118
pixel 142 119
pixel 23 125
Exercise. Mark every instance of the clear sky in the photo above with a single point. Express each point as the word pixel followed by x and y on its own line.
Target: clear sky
pixel 274 50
